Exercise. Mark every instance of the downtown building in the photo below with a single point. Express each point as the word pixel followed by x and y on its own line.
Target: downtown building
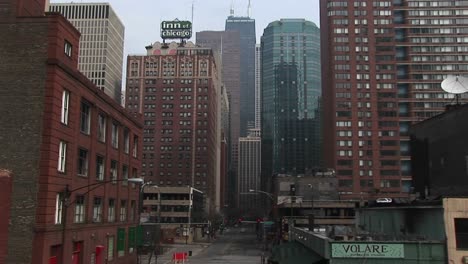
pixel 246 28
pixel 68 149
pixel 101 43
pixel 383 62
pixel 249 174
pixel 258 85
pixel 226 47
pixel 290 99
pixel 176 88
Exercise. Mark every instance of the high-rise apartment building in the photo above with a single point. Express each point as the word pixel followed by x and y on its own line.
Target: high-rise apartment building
pixel 249 173
pixel 176 88
pixel 226 47
pixel 101 43
pixel 383 62
pixel 246 28
pixel 258 86
pixel 290 98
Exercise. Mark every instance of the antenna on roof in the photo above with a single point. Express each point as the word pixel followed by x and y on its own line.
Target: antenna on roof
pixel 232 8
pixel 455 85
pixel 249 9
pixel 193 6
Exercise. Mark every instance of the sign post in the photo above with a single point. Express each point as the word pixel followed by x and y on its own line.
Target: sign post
pixel 367 250
pixel 176 30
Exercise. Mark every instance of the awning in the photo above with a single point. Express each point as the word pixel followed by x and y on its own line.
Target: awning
pixel 294 253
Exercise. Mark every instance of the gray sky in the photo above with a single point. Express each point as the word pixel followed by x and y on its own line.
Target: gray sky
pixel 143 17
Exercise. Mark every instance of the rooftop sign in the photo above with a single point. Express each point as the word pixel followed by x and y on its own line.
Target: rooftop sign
pixel 176 29
pixel 370 250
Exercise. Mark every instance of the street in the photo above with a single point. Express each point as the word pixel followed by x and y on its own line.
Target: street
pixel 233 246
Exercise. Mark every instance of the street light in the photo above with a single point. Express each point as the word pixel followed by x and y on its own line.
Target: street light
pixel 66 193
pixel 266 193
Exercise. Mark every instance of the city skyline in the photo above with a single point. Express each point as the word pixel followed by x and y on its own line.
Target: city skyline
pixel 208 15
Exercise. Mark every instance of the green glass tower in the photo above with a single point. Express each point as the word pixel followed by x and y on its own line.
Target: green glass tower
pixel 291 98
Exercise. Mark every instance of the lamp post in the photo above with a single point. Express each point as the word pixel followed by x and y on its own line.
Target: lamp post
pixel 269 195
pixel 140 210
pixel 65 195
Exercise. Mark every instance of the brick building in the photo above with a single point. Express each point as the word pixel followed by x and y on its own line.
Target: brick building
pixel 60 132
pixel 176 88
pixel 382 65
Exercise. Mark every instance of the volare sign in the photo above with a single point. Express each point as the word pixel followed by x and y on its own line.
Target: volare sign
pixel 371 250
pixel 176 29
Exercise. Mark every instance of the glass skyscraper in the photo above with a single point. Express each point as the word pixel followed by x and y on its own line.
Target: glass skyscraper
pixel 246 28
pixel 290 98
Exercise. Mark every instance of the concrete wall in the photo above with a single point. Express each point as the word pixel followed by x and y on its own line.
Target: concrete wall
pixel 454 208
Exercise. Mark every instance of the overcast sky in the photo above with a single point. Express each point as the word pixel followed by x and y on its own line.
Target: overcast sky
pixel 142 18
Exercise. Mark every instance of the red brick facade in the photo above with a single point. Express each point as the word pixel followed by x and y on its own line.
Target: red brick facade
pixel 176 89
pixel 5 203
pixel 35 73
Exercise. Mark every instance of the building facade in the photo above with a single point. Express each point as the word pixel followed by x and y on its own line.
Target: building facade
pixel 173 206
pixel 176 88
pixel 101 43
pixel 249 173
pixel 382 72
pixel 290 98
pixel 258 85
pixel 69 148
pixel 226 46
pixel 438 154
pixel 246 28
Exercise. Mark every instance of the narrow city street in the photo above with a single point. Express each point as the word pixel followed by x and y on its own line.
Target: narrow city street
pixel 236 246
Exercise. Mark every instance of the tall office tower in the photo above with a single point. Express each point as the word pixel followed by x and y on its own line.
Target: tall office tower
pixel 246 28
pixel 382 71
pixel 291 98
pixel 258 82
pixel 226 46
pixel 176 88
pixel 249 174
pixel 101 43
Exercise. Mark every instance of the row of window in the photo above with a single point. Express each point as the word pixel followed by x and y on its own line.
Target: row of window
pixel 102 122
pixel 83 168
pixel 124 214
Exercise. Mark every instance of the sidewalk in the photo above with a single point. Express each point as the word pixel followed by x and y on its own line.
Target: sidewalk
pixel 170 249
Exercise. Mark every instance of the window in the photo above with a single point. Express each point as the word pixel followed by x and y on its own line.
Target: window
pixel 97 209
pixel 65 106
pixel 132 210
pixel 123 210
pixel 111 211
pixel 68 49
pixel 126 141
pixel 134 175
pixel 79 209
pixel 62 160
pixel 135 146
pixel 124 175
pixel 100 168
pixel 113 171
pixel 115 135
pixel 82 162
pixel 101 128
pixel 85 118
pixel 461 233
pixel 110 248
pixel 58 208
